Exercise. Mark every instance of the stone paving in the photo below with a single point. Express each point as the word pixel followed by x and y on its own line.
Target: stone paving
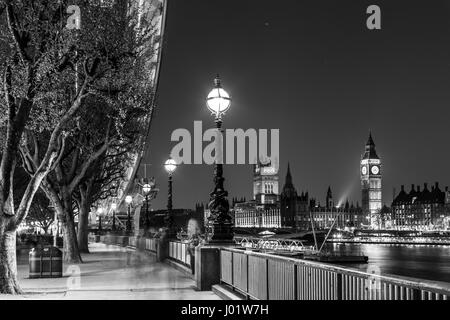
pixel 110 273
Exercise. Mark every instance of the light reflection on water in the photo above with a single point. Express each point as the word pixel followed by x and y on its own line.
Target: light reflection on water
pixel 419 261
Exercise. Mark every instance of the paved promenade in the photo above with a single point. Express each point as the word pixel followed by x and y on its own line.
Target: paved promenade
pixel 111 272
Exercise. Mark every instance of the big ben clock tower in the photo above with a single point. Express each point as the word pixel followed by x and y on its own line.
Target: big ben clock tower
pixel 265 183
pixel 370 170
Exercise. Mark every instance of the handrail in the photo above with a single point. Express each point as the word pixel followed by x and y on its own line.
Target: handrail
pixel 178 251
pixel 350 275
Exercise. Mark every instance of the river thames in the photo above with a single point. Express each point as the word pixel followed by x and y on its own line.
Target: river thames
pixel 431 262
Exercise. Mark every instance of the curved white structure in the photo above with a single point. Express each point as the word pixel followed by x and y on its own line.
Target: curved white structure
pixel 155 11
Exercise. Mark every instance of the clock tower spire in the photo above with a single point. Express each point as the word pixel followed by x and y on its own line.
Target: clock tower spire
pixel 370 170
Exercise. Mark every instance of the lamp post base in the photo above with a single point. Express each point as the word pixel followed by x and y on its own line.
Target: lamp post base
pixel 128 228
pixel 169 233
pixel 221 233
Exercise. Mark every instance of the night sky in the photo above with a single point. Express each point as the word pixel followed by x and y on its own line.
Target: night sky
pixel 313 70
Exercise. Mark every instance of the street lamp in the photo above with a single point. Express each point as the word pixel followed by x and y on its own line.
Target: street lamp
pixel 218 102
pixel 170 165
pixel 99 212
pixel 128 200
pixel 114 208
pixel 146 188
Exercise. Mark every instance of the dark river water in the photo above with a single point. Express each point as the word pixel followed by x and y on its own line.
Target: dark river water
pixel 418 261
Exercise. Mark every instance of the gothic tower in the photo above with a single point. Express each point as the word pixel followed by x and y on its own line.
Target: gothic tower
pixel 329 199
pixel 265 183
pixel 371 183
pixel 288 201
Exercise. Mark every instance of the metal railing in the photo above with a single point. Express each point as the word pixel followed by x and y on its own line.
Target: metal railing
pixel 179 251
pixel 150 244
pixel 270 277
pixel 114 240
pixel 141 243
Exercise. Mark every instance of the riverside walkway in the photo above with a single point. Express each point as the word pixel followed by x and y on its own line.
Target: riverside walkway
pixel 110 273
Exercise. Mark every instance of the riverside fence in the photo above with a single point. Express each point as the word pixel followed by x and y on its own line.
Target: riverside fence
pixel 178 251
pixel 271 277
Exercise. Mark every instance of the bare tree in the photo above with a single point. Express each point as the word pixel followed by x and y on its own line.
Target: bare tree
pixel 47 73
pixel 116 94
pixel 34 51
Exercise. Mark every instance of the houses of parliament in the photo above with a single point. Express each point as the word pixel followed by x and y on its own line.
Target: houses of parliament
pixel 286 208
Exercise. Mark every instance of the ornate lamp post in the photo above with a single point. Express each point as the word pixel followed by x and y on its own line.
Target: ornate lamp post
pixel 146 188
pixel 218 102
pixel 170 165
pixel 100 212
pixel 128 200
pixel 113 208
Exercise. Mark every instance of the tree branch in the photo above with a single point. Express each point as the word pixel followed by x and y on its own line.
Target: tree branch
pixel 36 149
pixel 73 167
pixel 28 164
pixel 86 165
pixel 8 96
pixel 33 185
pixel 13 136
pixel 60 152
pixel 12 25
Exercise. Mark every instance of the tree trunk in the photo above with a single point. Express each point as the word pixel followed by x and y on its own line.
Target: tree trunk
pixel 71 253
pixel 8 227
pixel 83 216
pixel 62 202
pixel 83 228
pixel 8 263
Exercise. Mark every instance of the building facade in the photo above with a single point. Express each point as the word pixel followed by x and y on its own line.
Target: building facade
pixel 325 217
pixel 370 170
pixel 251 215
pixel 288 209
pixel 422 209
pixel 264 210
pixel 294 211
pixel 339 218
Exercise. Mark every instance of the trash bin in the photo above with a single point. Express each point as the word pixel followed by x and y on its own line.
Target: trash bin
pixel 45 262
pixel 59 242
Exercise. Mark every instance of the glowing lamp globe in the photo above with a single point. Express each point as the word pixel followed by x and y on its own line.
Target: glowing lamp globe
pixel 100 211
pixel 128 199
pixel 170 166
pixel 218 100
pixel 114 206
pixel 146 188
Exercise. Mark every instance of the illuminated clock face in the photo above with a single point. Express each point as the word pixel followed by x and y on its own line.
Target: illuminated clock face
pixel 375 170
pixel 364 170
pixel 269 170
